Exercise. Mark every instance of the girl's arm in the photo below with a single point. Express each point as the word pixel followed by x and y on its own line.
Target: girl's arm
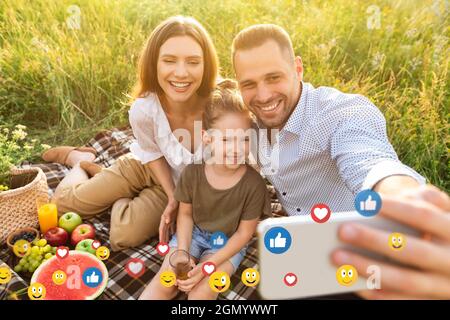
pixel 238 240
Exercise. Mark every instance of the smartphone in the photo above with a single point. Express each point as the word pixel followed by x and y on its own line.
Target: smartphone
pixel 305 269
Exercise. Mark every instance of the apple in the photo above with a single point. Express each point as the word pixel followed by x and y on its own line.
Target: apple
pixel 56 236
pixel 82 232
pixel 69 221
pixel 86 246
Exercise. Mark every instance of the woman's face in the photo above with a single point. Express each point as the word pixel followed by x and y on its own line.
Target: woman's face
pixel 180 68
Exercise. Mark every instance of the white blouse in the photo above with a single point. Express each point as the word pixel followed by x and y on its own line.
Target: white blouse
pixel 154 138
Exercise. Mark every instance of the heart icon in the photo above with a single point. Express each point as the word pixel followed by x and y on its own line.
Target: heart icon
pixel 208 268
pixel 320 213
pixel 162 248
pixel 96 244
pixel 62 252
pixel 135 267
pixel 290 279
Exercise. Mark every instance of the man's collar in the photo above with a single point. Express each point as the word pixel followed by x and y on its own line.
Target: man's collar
pixel 293 123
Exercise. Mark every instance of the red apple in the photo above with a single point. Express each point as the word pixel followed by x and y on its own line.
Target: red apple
pixel 82 232
pixel 56 236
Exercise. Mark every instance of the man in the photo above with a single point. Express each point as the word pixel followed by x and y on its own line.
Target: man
pixel 333 145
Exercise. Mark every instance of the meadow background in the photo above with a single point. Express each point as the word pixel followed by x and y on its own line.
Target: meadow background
pixel 67 67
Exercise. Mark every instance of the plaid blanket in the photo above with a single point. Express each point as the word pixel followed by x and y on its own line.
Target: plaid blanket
pixel 110 145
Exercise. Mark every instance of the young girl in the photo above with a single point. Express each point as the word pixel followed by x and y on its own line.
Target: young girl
pixel 177 72
pixel 224 194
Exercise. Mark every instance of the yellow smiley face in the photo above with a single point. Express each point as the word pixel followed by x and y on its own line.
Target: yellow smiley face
pixel 397 241
pixel 59 277
pixel 167 278
pixel 219 281
pixel 22 248
pixel 102 253
pixel 36 291
pixel 250 277
pixel 346 275
pixel 5 275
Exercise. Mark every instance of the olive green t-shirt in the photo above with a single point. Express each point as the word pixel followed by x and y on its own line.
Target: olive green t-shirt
pixel 221 210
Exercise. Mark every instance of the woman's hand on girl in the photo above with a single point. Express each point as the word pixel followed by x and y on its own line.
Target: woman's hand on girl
pixel 168 219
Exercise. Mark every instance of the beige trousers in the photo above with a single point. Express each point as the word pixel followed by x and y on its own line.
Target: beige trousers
pixel 136 197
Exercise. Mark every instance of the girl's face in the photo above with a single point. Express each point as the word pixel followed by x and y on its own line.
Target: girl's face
pixel 229 140
pixel 180 68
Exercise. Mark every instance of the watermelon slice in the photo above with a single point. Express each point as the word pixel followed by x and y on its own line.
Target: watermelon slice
pixel 74 265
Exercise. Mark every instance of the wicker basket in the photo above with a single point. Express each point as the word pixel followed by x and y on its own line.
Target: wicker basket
pixel 18 206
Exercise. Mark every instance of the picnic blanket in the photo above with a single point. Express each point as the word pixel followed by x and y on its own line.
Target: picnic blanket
pixel 110 145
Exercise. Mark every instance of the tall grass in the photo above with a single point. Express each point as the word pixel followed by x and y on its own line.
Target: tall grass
pixel 65 83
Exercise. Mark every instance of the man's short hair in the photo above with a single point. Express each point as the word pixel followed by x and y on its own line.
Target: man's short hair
pixel 256 35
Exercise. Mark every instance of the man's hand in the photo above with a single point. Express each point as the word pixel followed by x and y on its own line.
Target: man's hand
pixel 425 270
pixel 168 219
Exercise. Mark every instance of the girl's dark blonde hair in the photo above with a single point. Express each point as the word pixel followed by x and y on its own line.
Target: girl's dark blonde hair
pixel 224 99
pixel 169 28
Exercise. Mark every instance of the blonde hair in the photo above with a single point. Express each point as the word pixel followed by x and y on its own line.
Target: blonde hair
pixel 169 28
pixel 256 35
pixel 224 99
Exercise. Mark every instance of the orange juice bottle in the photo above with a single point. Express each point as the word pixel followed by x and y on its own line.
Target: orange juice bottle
pixel 48 216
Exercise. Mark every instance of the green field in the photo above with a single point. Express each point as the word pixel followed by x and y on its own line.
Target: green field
pixel 65 83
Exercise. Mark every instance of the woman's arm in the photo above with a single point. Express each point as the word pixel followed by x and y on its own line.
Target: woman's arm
pixel 160 168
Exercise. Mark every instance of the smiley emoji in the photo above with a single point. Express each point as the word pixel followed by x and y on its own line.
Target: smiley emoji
pixel 397 241
pixel 36 291
pixel 167 278
pixel 59 277
pixel 5 275
pixel 250 277
pixel 102 253
pixel 219 281
pixel 346 275
pixel 21 248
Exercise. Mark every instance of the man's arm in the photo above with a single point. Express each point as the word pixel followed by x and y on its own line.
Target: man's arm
pixel 394 184
pixel 358 143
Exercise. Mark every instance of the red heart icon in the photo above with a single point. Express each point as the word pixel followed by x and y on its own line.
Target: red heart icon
pixel 208 268
pixel 135 267
pixel 96 244
pixel 290 279
pixel 320 213
pixel 62 252
pixel 162 248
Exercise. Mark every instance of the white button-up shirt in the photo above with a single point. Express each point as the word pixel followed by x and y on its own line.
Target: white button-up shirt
pixel 154 137
pixel 332 146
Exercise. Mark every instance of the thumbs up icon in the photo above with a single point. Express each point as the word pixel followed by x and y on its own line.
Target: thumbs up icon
pixel 278 242
pixel 218 241
pixel 368 204
pixel 93 278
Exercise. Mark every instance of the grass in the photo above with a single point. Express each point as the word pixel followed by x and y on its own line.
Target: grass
pixel 66 84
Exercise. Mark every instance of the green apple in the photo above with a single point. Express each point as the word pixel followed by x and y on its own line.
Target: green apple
pixel 69 221
pixel 86 246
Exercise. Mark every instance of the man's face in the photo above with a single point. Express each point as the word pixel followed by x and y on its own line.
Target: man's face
pixel 269 82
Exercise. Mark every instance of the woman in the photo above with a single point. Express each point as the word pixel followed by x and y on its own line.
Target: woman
pixel 177 72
